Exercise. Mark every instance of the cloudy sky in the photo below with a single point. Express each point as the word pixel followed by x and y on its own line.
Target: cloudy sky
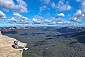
pixel 42 12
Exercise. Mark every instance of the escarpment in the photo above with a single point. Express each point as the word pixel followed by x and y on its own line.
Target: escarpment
pixel 6 49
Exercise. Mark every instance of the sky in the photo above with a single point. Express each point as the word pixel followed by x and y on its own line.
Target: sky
pixel 42 13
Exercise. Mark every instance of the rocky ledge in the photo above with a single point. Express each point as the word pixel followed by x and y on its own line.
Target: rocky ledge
pixel 6 49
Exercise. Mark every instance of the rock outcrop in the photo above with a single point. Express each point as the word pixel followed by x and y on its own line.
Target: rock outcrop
pixel 6 49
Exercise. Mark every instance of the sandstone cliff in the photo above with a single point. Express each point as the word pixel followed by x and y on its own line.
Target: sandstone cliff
pixel 6 49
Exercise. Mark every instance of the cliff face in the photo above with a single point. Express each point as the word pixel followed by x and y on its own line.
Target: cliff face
pixel 6 49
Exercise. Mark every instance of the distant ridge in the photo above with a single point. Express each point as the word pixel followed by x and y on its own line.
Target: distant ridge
pixel 80 37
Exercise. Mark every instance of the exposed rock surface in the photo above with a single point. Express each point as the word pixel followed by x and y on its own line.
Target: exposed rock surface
pixel 6 49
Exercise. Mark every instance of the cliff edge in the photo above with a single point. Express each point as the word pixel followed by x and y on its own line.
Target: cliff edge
pixel 6 49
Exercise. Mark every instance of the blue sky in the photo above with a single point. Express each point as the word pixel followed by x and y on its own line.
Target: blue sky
pixel 42 12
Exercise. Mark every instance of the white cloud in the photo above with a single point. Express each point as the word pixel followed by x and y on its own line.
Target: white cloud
pixel 58 22
pixel 11 5
pixel 38 20
pixel 2 15
pixel 49 21
pixel 83 6
pixel 78 16
pixel 62 22
pixel 22 6
pixel 78 0
pixel 42 8
pixel 12 20
pixel 17 18
pixel 17 15
pixel 53 5
pixel 45 1
pixel 75 19
pixel 61 6
pixel 60 15
pixel 79 13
